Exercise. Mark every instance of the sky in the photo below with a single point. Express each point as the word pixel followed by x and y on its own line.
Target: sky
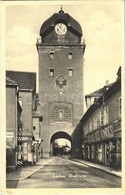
pixel 102 22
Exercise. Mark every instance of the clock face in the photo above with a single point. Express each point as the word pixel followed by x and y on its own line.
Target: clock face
pixel 61 29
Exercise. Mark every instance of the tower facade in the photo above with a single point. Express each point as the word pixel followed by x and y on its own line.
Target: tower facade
pixel 60 49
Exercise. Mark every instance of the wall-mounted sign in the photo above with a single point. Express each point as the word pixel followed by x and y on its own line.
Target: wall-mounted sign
pixel 102 134
pixel 60 112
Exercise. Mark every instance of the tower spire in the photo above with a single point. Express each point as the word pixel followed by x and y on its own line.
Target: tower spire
pixel 61 10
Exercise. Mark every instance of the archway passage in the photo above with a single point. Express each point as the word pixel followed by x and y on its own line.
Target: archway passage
pixel 60 144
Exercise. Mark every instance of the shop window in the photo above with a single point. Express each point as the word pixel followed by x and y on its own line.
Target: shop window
pixel 88 152
pixel 51 55
pixel 70 72
pixel 99 152
pixel 51 72
pixel 120 106
pixel 118 145
pixel 70 56
pixel 92 151
pixel 107 153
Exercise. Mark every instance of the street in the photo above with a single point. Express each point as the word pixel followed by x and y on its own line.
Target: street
pixel 63 173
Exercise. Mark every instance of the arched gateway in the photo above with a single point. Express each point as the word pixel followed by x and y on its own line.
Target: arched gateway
pixel 61 49
pixel 58 135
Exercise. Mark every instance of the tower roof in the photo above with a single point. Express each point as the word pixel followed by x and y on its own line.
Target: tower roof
pixel 60 17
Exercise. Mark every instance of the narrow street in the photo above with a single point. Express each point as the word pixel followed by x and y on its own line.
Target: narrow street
pixel 63 173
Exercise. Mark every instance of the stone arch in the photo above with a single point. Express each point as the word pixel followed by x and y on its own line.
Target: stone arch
pixel 60 134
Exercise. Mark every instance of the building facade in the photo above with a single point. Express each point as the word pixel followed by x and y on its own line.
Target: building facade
pixel 102 128
pixel 26 99
pixel 13 123
pixel 60 49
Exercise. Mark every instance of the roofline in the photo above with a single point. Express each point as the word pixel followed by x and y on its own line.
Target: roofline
pixel 60 45
pixel 21 71
pixel 96 92
pixel 116 85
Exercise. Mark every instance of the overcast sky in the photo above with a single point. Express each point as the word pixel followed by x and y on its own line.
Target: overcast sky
pixel 102 23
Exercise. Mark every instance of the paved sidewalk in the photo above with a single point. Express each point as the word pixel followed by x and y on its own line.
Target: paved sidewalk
pixel 100 167
pixel 25 172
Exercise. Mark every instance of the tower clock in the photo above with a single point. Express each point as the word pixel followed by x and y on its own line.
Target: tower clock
pixel 60 51
pixel 60 29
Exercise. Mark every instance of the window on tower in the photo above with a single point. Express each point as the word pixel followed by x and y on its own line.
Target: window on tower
pixel 70 72
pixel 70 56
pixel 51 72
pixel 60 114
pixel 51 55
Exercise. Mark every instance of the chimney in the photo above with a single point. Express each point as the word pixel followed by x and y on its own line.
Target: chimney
pixel 106 82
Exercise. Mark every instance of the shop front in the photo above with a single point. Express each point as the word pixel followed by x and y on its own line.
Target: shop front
pixel 103 146
pixel 25 152
pixel 11 153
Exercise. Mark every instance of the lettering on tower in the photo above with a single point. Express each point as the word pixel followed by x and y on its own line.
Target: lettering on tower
pixel 60 112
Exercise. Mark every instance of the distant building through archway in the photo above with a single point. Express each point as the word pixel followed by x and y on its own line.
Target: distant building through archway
pixel 59 144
